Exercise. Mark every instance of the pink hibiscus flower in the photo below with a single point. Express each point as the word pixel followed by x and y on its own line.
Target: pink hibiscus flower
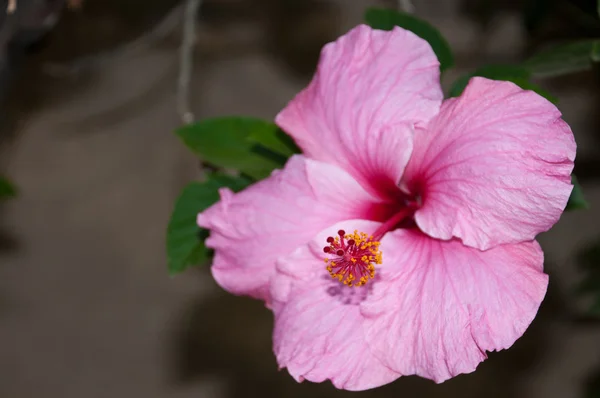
pixel 402 241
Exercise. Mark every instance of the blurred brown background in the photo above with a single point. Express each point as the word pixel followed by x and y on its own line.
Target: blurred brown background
pixel 87 308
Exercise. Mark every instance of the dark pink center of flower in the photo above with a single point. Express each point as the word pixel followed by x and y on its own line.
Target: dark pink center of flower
pixel 351 258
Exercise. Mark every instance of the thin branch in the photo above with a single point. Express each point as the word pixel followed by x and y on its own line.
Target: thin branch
pixel 12 6
pixel 142 43
pixel 406 6
pixel 186 60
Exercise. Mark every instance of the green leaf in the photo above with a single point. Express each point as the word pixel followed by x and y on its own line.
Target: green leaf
pixel 252 146
pixel 459 85
pixel 276 141
pixel 596 51
pixel 386 19
pixel 185 240
pixel 576 201
pixel 7 189
pixel 562 59
pixel 512 73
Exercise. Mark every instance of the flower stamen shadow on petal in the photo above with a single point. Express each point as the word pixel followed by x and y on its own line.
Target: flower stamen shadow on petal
pixel 347 296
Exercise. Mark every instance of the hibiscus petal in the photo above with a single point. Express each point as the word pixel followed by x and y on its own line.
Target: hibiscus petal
pixel 493 167
pixel 447 303
pixel 271 218
pixel 318 325
pixel 371 86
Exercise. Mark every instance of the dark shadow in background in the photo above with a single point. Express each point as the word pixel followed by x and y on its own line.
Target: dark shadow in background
pixel 588 261
pixel 96 28
pixel 64 62
pixel 592 385
pixel 294 31
pixel 8 241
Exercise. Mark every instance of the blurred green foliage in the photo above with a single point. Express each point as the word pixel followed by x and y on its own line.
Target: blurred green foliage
pixel 7 189
pixel 563 59
pixel 185 239
pixel 252 146
pixel 576 201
